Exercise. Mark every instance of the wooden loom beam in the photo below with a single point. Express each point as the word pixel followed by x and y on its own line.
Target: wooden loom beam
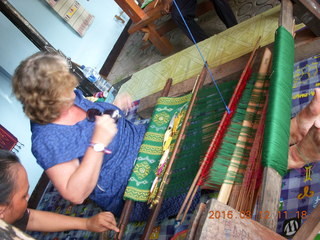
pixel 311 227
pixel 306 45
pixel 308 11
pixel 272 180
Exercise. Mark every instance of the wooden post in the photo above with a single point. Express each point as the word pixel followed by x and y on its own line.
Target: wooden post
pixel 272 181
pixel 311 227
pixel 145 20
pixel 220 221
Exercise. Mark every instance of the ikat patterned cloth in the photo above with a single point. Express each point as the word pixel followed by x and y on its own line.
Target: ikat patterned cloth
pixel 150 152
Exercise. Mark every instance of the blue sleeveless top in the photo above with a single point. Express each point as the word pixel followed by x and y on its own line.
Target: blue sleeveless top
pixel 54 143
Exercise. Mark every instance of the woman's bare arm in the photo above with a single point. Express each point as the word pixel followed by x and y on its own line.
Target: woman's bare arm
pixel 74 180
pixel 52 222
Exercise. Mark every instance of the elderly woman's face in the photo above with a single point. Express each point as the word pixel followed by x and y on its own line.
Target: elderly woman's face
pixel 19 201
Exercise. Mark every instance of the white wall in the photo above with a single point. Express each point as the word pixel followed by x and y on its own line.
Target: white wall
pixel 90 50
pixel 15 121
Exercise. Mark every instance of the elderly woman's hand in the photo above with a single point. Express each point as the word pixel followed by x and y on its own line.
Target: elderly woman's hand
pixel 102 222
pixel 124 102
pixel 305 119
pixel 307 150
pixel 105 129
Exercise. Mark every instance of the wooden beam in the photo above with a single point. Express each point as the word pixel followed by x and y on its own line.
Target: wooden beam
pixel 161 43
pixel 269 199
pixel 286 16
pixel 308 11
pixel 154 13
pixel 38 191
pixel 150 18
pixel 131 9
pixel 311 227
pixel 272 180
pixel 306 46
pixel 220 221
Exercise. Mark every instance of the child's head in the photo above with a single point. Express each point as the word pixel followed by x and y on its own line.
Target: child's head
pixel 43 83
pixel 14 187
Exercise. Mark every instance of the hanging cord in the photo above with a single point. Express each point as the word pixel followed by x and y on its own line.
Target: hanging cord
pixel 203 59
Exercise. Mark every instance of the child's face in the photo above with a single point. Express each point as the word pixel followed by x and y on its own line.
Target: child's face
pixel 19 201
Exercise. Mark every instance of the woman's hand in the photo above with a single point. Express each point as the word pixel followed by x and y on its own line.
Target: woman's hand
pixel 305 119
pixel 102 222
pixel 124 102
pixel 105 130
pixel 307 150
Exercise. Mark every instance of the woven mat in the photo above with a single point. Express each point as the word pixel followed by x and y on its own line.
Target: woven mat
pixel 218 49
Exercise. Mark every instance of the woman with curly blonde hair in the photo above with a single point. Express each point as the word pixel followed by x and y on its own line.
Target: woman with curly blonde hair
pixel 83 156
pixel 41 101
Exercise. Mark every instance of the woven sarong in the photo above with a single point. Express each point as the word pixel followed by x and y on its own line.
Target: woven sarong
pixel 7 140
pixel 150 152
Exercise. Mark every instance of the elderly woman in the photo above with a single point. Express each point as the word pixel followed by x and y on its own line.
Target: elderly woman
pixel 83 155
pixel 14 196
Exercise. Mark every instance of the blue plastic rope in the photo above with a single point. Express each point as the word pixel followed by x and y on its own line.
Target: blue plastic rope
pixel 203 59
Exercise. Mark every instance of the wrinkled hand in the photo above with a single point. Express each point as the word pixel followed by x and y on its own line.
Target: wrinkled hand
pixel 305 119
pixel 105 129
pixel 167 4
pixel 307 150
pixel 124 102
pixel 102 222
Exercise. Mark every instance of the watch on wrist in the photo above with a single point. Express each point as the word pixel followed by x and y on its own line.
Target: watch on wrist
pixel 99 147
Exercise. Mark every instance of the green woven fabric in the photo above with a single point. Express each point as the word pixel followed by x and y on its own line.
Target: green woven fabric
pixel 277 126
pixel 151 149
pixel 206 115
pixel 229 149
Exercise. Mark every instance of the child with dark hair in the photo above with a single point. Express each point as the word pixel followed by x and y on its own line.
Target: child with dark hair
pixel 14 196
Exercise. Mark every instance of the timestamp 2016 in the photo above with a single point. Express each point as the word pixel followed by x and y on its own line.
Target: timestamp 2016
pixel 248 215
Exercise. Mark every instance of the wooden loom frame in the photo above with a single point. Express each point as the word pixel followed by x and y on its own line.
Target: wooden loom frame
pixel 143 20
pixel 126 212
pixel 306 45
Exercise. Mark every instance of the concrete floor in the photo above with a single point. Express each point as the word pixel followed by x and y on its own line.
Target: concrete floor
pixel 134 58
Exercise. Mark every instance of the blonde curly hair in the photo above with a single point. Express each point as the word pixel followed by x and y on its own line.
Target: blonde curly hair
pixel 42 83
